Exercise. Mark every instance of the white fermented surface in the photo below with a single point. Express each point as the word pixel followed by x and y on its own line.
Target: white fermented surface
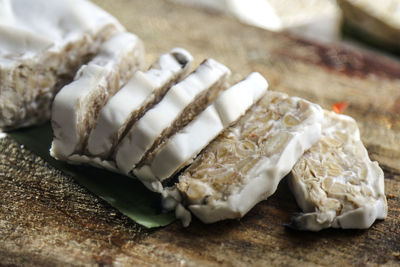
pixel 245 164
pixel 335 183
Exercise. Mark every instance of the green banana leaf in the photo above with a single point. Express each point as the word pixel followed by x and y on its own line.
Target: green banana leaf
pixel 127 195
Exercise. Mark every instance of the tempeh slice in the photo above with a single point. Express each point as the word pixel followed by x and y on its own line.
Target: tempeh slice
pixel 76 106
pixel 246 162
pixel 42 45
pixel 180 149
pixel 178 107
pixel 335 183
pixel 140 93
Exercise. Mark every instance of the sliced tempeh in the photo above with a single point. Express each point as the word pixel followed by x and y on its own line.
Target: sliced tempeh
pixel 140 93
pixel 246 162
pixel 335 183
pixel 178 107
pixel 121 56
pixel 76 106
pixel 42 44
pixel 180 149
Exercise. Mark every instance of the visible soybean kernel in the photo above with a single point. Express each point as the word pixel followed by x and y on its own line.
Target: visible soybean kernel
pixel 334 169
pixel 255 145
pixel 343 137
pixel 222 152
pixel 196 192
pixel 201 173
pixel 331 142
pixel 275 143
pixel 338 188
pixel 327 183
pixel 331 203
pixel 290 120
pixel 339 166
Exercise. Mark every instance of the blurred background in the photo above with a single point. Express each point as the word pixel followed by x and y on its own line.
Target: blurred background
pixel 365 24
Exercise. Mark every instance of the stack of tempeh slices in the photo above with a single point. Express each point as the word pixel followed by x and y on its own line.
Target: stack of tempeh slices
pixel 221 149
pixel 42 44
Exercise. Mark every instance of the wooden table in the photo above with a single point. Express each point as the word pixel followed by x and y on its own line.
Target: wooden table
pixel 46 218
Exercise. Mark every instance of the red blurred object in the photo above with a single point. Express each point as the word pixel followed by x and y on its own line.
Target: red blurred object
pixel 339 107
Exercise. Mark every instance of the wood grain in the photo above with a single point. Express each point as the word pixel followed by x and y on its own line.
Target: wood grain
pixel 47 219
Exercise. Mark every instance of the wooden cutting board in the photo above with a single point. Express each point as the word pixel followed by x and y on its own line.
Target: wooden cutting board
pixel 46 218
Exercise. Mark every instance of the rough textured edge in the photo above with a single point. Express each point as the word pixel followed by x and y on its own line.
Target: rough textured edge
pixel 71 99
pixel 227 108
pixel 154 93
pixel 263 185
pixel 186 106
pixel 37 109
pixel 359 218
pixel 237 205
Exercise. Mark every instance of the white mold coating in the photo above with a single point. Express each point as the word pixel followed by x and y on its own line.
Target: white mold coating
pixel 335 183
pixel 182 147
pixel 144 133
pixel 140 91
pixel 75 107
pixel 245 164
pixel 31 27
pixel 42 44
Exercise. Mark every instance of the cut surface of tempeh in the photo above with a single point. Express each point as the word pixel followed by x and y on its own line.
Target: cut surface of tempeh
pixel 139 94
pixel 245 163
pixel 335 183
pixel 42 45
pixel 180 149
pixel 178 107
pixel 76 106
